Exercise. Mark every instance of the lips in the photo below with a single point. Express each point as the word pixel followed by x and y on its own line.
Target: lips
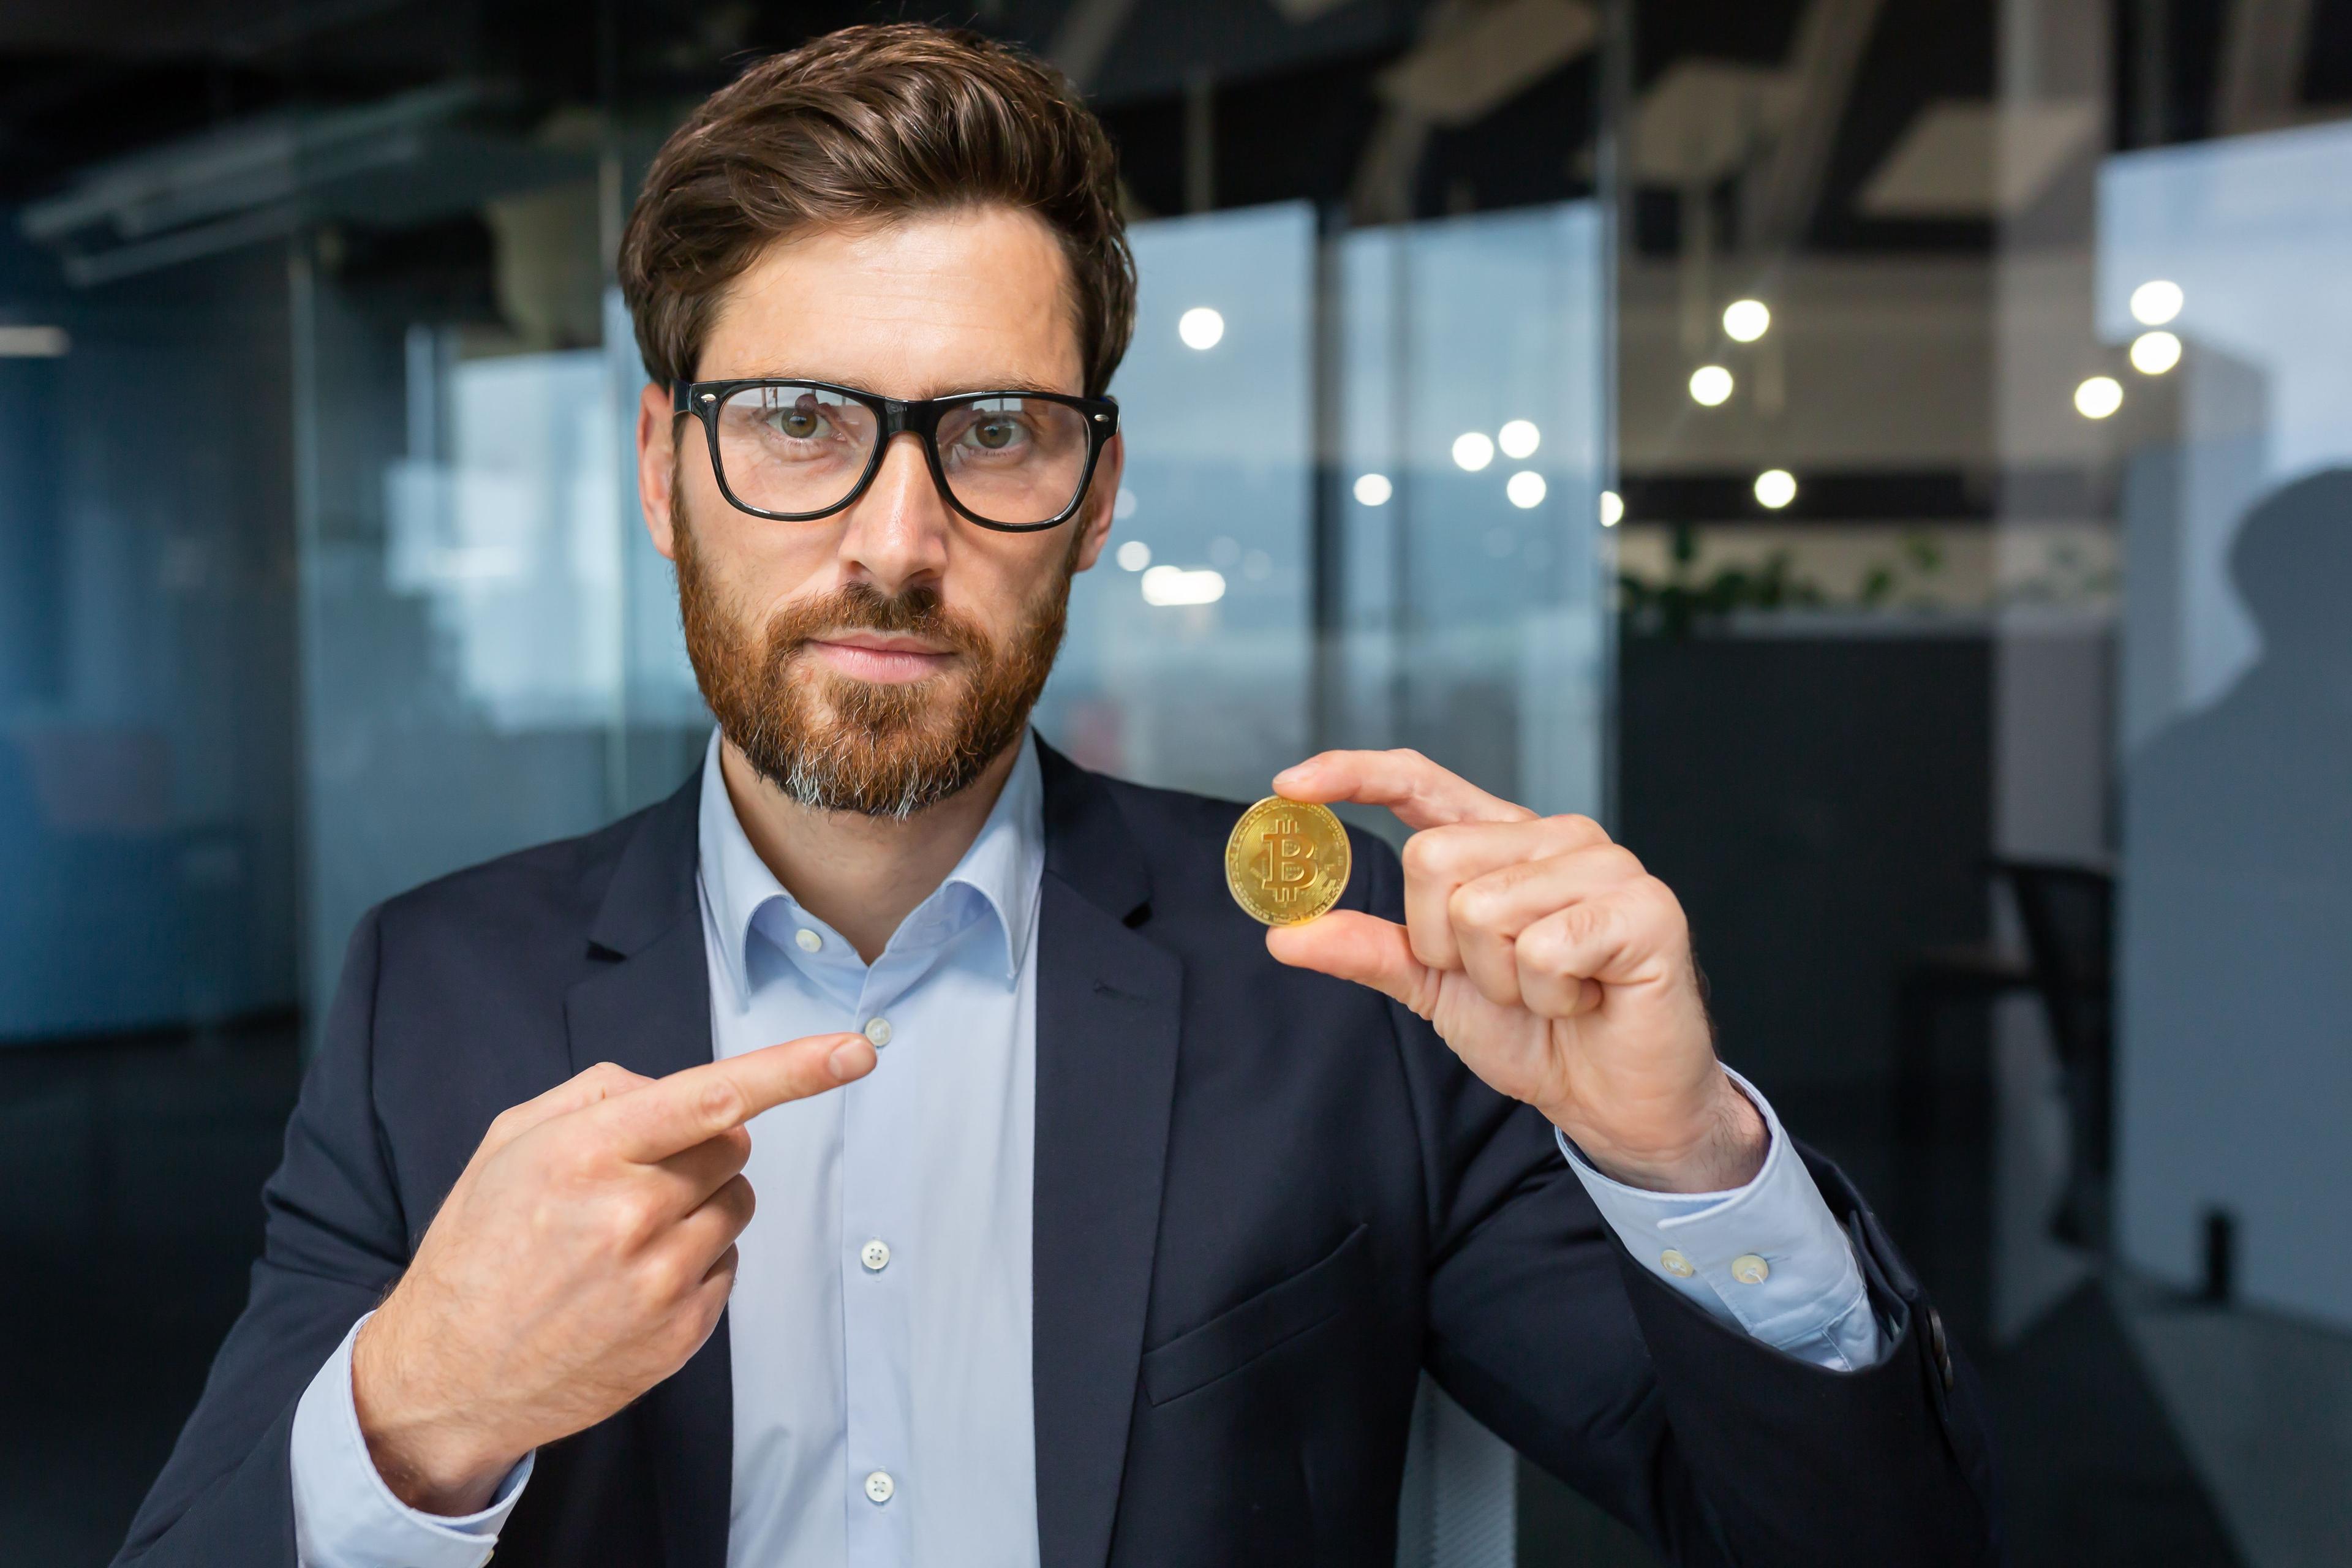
pixel 871 657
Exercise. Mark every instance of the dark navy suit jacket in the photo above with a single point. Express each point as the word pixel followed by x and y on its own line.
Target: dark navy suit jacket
pixel 1265 1200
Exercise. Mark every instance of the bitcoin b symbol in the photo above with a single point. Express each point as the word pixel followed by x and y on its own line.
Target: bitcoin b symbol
pixel 1286 861
pixel 1284 867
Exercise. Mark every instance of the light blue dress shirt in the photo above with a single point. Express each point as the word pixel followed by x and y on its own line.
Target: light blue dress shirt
pixel 880 1330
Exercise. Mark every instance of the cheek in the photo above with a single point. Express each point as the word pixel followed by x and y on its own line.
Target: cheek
pixel 758 564
pixel 1005 581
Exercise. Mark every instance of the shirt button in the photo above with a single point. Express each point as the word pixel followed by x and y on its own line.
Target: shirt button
pixel 877 1029
pixel 1676 1264
pixel 876 1255
pixel 879 1485
pixel 1750 1270
pixel 806 940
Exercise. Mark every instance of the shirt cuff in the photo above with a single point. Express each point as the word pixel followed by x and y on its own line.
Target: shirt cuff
pixel 1768 1258
pixel 346 1517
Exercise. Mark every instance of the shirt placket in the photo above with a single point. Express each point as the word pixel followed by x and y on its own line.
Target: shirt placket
pixel 877 1266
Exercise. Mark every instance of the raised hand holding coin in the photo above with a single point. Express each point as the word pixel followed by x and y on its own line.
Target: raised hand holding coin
pixel 1553 964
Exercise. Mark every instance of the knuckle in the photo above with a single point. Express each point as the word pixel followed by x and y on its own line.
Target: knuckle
pixel 1417 853
pixel 1586 923
pixel 1543 948
pixel 1433 852
pixel 1476 905
pixel 659 1285
pixel 1617 858
pixel 636 1217
pixel 719 1103
pixel 1580 828
pixel 1658 901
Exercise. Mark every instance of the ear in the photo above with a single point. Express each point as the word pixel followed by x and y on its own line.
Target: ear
pixel 1102 495
pixel 657 465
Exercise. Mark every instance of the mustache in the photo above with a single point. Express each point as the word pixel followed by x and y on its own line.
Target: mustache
pixel 861 606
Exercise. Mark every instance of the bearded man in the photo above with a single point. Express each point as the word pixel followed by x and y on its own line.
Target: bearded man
pixel 1095 1226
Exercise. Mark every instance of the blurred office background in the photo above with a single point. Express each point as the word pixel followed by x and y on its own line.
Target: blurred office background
pixel 1893 462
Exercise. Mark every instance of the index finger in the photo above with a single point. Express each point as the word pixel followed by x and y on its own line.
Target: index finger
pixel 1421 793
pixel 688 1108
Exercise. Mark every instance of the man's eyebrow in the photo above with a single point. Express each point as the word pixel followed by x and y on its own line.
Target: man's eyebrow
pixel 1005 384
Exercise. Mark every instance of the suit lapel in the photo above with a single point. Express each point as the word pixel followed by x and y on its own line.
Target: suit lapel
pixel 1108 1006
pixel 1108 1021
pixel 647 1006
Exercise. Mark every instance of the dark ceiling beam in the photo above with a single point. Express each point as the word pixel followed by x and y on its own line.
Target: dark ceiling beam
pixel 2264 48
pixel 1777 208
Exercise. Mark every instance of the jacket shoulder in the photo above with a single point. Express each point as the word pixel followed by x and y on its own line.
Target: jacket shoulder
pixel 548 887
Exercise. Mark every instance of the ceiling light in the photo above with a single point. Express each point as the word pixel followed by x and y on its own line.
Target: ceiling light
pixel 1519 438
pixel 1175 585
pixel 2156 301
pixel 1472 451
pixel 1612 508
pixel 1775 488
pixel 1201 328
pixel 2098 398
pixel 1134 555
pixel 1745 320
pixel 1710 385
pixel 32 342
pixel 1373 489
pixel 2153 353
pixel 1526 488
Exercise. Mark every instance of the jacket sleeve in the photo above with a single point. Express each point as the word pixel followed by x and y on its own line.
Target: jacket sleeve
pixel 1717 1448
pixel 335 1241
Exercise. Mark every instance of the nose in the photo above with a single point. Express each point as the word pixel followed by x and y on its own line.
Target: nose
pixel 896 533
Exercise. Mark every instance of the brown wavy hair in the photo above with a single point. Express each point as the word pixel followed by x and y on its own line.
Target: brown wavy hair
pixel 874 124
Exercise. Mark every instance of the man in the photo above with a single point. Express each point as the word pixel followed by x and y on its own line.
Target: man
pixel 1093 1225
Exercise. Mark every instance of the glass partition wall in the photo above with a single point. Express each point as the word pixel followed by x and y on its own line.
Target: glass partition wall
pixel 1982 442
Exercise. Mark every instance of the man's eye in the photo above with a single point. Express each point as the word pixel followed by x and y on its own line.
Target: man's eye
pixel 994 435
pixel 799 424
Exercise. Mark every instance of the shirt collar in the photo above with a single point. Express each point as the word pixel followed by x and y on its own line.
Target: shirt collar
pixel 1002 864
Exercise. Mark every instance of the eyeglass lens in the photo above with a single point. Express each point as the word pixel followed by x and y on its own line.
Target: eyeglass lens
pixel 796 448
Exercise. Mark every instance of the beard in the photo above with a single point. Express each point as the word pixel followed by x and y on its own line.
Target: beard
pixel 832 743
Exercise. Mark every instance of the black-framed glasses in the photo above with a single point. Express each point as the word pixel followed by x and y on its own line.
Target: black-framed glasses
pixel 799 450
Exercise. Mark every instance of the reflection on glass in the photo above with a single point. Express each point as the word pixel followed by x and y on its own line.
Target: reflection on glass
pixel 2235 1064
pixel 502 524
pixel 463 576
pixel 1188 671
pixel 1458 610
pixel 1469 623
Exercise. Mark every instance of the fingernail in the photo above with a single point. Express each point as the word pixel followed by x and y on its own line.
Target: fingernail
pixel 851 1058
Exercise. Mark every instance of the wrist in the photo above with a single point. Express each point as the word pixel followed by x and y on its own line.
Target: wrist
pixel 429 1456
pixel 1718 1147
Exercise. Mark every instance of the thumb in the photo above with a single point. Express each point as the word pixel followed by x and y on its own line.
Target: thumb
pixel 1359 947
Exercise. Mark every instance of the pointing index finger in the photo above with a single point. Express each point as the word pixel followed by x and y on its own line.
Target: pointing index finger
pixel 688 1108
pixel 1418 791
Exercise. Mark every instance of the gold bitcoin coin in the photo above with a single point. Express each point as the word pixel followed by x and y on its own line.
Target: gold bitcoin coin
pixel 1287 860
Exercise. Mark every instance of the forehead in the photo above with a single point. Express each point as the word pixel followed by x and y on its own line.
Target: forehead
pixel 938 303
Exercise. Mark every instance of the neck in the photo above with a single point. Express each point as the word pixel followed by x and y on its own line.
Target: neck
pixel 860 875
